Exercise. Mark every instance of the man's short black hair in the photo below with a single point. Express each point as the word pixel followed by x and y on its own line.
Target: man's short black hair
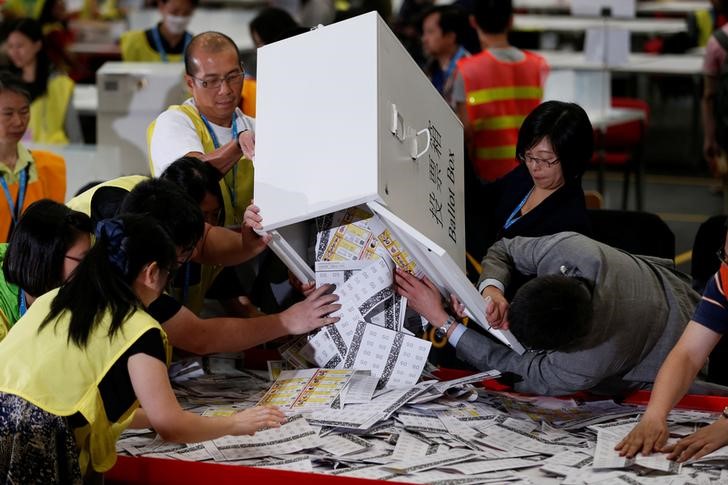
pixel 493 16
pixel 11 82
pixel 175 211
pixel 551 312
pixel 452 20
pixel 271 24
pixel 211 42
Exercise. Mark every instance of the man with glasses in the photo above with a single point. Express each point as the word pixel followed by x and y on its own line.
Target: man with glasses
pixel 209 126
pixel 595 318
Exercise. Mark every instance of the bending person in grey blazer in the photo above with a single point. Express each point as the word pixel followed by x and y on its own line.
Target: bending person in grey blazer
pixel 595 318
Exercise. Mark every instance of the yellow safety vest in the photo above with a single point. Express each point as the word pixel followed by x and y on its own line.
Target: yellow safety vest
pixel 704 23
pixel 48 112
pixel 46 370
pixel 135 48
pixel 23 8
pixel 82 202
pixel 245 173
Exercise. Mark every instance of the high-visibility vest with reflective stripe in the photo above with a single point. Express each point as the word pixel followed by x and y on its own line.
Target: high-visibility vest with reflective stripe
pixel 498 96
pixel 135 48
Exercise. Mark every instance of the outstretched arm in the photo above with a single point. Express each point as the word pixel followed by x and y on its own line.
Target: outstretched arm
pixel 187 331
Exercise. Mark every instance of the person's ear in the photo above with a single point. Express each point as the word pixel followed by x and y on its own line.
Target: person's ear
pixel 190 82
pixel 473 22
pixel 151 275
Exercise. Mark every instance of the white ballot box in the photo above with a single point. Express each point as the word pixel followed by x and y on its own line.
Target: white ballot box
pixel 131 96
pixel 347 118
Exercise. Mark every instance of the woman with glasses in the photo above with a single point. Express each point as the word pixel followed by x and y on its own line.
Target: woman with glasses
pixel 708 325
pixel 543 195
pixel 44 250
pixel 83 359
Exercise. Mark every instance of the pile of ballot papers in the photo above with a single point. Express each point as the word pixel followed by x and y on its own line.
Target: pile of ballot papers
pixel 357 254
pixel 431 432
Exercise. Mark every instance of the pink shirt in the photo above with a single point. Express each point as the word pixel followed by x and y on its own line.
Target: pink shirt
pixel 714 56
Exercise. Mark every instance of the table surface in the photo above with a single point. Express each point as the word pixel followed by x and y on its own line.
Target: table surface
pixel 639 63
pixel 673 7
pixel 564 23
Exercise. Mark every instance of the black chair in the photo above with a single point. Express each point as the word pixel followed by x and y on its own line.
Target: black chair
pixel 635 232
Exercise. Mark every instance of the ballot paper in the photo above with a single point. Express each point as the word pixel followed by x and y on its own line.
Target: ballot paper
pixel 361 388
pixel 605 456
pixel 344 236
pixel 305 390
pixel 397 359
pixel 294 435
pixel 444 441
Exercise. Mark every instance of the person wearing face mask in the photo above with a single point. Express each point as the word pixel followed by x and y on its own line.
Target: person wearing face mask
pixel 166 41
pixel 25 176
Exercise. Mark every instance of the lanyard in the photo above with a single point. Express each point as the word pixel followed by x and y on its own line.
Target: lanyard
pixel 216 143
pixel 160 48
pixel 458 55
pixel 17 207
pixel 514 215
pixel 22 306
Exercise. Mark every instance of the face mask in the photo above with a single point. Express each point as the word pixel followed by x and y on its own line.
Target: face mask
pixel 176 24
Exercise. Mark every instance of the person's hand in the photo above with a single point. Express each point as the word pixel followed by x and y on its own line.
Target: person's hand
pixel 304 288
pixel 649 435
pixel 246 140
pixel 705 440
pixel 252 217
pixel 312 312
pixel 422 296
pixel 255 419
pixel 457 306
pixel 496 312
pixel 252 241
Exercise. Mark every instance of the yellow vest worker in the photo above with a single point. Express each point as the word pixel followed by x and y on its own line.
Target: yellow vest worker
pixel 37 175
pixel 48 112
pixel 193 279
pixel 236 185
pixel 149 46
pixel 63 379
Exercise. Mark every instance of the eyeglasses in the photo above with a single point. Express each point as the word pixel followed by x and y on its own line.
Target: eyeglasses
pixel 722 256
pixel 232 80
pixel 526 158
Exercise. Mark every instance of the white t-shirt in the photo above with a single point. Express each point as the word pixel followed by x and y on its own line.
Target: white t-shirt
pixel 175 136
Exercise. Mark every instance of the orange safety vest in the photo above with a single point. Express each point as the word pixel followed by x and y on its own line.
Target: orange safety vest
pixel 499 95
pixel 50 183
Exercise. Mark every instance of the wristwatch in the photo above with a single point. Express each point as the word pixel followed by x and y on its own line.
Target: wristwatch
pixel 442 331
pixel 725 412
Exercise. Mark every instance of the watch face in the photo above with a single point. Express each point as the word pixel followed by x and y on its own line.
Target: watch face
pixel 725 412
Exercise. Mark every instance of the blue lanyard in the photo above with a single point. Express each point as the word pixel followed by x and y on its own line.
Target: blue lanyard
pixel 160 48
pixel 17 207
pixel 514 215
pixel 216 143
pixel 458 55
pixel 22 306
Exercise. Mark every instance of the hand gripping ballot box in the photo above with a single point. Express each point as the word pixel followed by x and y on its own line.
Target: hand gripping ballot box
pixel 347 118
pixel 131 96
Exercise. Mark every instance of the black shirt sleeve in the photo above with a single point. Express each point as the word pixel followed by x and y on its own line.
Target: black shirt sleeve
pixel 164 308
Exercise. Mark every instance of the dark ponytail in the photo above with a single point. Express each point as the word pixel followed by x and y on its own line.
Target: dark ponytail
pixel 103 280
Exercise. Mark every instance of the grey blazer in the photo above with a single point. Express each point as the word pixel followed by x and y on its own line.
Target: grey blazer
pixel 641 306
